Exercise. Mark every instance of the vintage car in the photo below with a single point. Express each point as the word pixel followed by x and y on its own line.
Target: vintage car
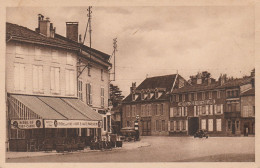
pixel 130 134
pixel 201 134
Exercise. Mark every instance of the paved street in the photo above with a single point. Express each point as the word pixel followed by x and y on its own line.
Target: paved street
pixel 165 149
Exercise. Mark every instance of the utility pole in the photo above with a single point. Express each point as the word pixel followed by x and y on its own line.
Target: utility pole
pixel 114 55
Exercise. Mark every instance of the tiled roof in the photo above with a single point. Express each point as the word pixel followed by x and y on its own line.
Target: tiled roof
pixel 20 33
pixel 250 92
pixel 193 88
pixel 236 82
pixel 158 82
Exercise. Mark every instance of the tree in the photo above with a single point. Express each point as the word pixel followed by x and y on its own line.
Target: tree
pixel 116 96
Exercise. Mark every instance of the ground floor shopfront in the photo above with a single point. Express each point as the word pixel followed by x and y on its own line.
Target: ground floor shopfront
pixel 35 121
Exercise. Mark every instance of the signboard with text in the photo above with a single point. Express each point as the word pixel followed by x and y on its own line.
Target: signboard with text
pixel 72 124
pixel 197 103
pixel 26 124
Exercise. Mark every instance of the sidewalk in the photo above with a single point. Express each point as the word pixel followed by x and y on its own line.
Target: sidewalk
pixel 126 146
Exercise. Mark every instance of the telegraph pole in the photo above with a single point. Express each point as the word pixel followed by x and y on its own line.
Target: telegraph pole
pixel 114 54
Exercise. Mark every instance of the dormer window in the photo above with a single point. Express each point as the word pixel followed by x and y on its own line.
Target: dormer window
pixel 145 95
pixel 151 95
pixel 159 94
pixel 134 96
pixel 142 96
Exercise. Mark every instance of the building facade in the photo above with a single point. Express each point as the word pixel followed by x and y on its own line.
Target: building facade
pixel 150 103
pixel 44 89
pixel 198 106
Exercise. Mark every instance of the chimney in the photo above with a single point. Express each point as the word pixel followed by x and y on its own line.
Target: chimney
pixel 72 30
pixel 132 89
pixel 44 26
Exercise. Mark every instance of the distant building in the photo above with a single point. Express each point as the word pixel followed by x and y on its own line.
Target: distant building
pixel 197 106
pixel 150 101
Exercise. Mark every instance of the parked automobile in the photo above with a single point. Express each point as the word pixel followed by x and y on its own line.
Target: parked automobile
pixel 130 134
pixel 201 134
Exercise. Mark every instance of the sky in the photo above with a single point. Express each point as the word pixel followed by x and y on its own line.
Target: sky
pixel 161 40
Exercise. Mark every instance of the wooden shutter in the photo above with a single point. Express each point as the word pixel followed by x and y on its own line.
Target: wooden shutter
pixel 195 110
pixel 221 110
pixel 207 110
pixel 215 109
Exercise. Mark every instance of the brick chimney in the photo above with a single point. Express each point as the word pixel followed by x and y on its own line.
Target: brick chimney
pixel 45 27
pixel 132 89
pixel 72 30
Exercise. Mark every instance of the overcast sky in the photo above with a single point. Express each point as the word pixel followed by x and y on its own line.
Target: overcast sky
pixel 161 40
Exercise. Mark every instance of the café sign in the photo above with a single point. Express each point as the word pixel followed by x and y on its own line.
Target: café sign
pixel 197 103
pixel 27 124
pixel 72 124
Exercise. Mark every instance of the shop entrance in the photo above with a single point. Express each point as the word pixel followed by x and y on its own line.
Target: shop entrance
pixel 146 128
pixel 193 125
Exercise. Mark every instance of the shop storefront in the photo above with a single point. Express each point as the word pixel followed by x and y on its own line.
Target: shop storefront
pixel 35 121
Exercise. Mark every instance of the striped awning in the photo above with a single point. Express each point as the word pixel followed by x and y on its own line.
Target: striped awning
pixel 50 108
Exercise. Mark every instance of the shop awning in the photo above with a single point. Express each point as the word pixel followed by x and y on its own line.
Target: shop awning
pixel 52 108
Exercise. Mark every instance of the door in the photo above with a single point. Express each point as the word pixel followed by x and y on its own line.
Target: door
pixel 193 125
pixel 233 127
pixel 146 128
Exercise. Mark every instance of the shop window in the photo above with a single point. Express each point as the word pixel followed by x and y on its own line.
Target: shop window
pixel 19 77
pixel 17 134
pixel 69 81
pixel 37 78
pixel 55 80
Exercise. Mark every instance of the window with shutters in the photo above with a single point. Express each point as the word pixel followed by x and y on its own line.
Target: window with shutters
pixel 203 95
pixel 69 58
pixel 210 124
pixel 179 111
pixel 211 109
pixel 203 124
pixel 19 77
pixel 171 126
pixel 69 82
pixel 19 50
pixel 55 56
pixel 37 79
pixel 195 96
pixel 102 96
pixel 185 111
pixel 89 93
pixel 163 125
pixel 102 74
pixel 218 94
pixel 80 85
pixel 203 110
pixel 218 125
pixel 55 80
pixel 162 108
pixel 171 112
pixel 210 95
pixel 38 51
pixel 133 110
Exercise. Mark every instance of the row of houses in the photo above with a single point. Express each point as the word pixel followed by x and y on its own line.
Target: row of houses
pixel 55 85
pixel 170 105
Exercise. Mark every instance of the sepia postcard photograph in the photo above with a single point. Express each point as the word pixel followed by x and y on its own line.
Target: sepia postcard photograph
pixel 98 83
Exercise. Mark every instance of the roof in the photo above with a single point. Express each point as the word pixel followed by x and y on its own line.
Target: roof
pixel 20 33
pixel 58 108
pixel 250 92
pixel 194 88
pixel 235 82
pixel 158 82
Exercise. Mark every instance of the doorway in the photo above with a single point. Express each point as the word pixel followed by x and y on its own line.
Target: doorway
pixel 146 128
pixel 193 125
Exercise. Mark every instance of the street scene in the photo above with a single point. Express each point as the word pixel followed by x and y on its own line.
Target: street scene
pixel 130 84
pixel 156 149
